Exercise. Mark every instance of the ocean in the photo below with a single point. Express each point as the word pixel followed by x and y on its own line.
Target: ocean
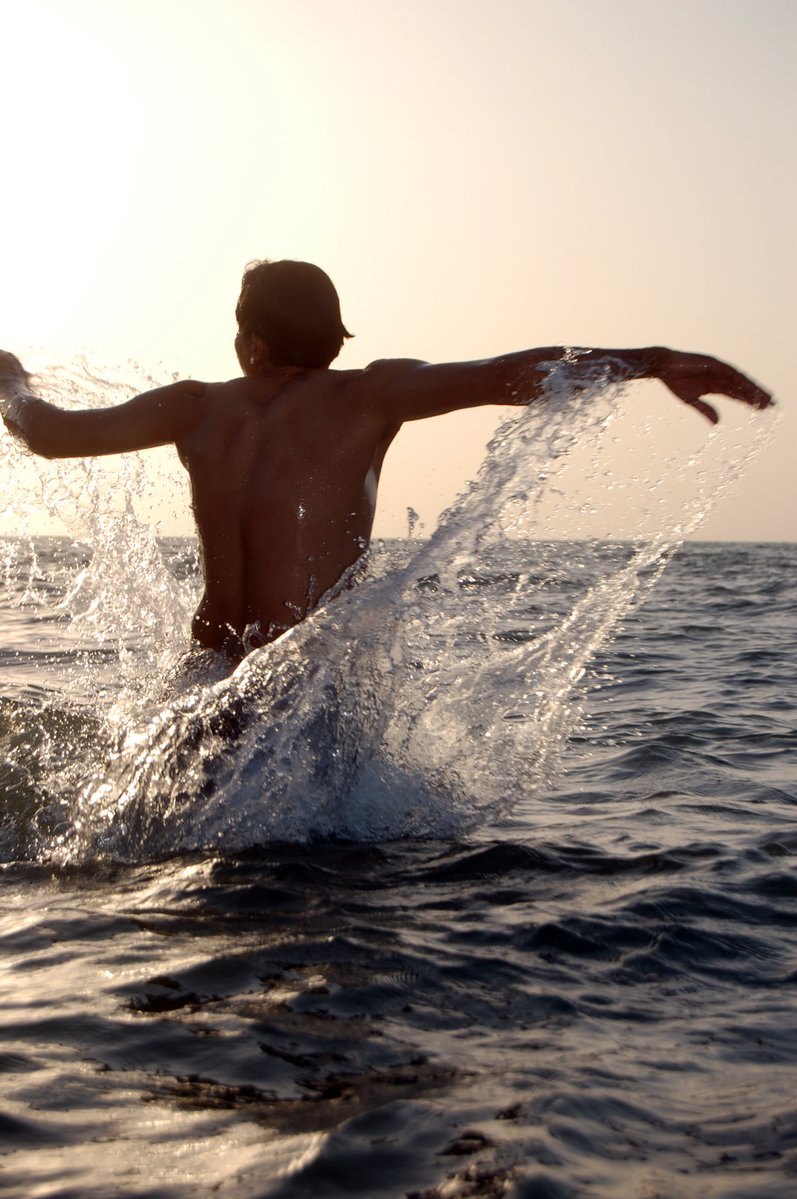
pixel 479 883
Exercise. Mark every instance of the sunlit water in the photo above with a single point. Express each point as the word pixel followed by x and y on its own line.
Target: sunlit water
pixel 338 924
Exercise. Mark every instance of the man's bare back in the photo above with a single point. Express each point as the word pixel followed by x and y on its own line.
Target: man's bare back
pixel 284 470
pixel 284 461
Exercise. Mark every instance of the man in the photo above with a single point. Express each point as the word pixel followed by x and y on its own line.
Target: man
pixel 284 462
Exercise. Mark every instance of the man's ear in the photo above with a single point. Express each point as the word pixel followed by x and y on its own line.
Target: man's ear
pixel 258 351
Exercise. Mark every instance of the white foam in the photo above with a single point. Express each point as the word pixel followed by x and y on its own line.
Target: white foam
pixel 429 698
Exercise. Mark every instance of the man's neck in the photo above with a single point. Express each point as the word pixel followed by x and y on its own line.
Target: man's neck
pixel 266 371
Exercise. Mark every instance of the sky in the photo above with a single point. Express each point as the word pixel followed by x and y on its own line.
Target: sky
pixel 476 177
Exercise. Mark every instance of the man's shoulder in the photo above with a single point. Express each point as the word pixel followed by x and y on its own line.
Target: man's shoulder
pixel 179 392
pixel 381 375
pixel 391 367
pixel 187 387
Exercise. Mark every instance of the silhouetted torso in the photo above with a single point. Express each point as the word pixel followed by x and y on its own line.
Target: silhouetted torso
pixel 284 475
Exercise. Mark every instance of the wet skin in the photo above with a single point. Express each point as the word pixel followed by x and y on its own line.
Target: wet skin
pixel 284 463
pixel 283 499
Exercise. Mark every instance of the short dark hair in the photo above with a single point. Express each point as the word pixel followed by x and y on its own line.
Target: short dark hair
pixel 294 307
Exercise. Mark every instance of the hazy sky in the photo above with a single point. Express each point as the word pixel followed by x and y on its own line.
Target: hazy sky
pixel 476 177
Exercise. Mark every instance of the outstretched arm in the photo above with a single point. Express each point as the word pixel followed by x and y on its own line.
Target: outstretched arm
pixel 154 418
pixel 411 390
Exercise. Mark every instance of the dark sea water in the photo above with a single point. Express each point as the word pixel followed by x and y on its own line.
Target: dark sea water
pixel 332 930
pixel 480 882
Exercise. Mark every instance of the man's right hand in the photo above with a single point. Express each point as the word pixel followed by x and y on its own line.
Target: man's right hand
pixel 15 391
pixel 11 369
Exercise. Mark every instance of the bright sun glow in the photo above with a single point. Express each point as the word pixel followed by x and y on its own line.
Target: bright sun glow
pixel 475 180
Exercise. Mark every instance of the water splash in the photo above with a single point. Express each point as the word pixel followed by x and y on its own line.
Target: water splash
pixel 124 600
pixel 430 698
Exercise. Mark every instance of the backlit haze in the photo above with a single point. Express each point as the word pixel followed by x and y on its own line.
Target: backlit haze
pixel 475 177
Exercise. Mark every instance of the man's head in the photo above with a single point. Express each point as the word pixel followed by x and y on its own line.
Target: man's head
pixel 294 308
